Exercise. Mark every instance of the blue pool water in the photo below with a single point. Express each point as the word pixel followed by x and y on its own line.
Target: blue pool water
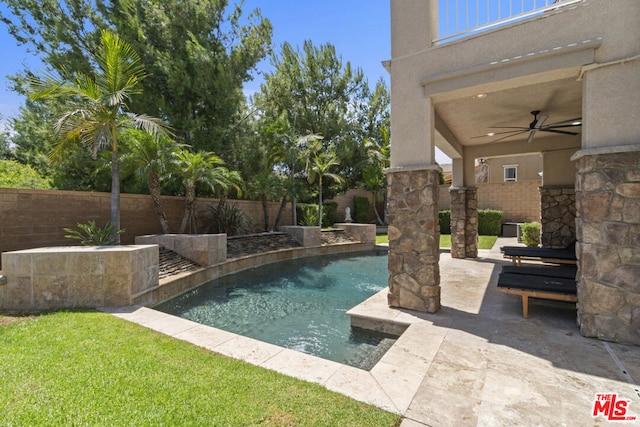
pixel 299 304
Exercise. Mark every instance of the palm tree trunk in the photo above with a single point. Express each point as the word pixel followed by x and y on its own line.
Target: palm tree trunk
pixel 115 195
pixel 265 211
pixel 283 204
pixel 189 208
pixel 154 190
pixel 320 203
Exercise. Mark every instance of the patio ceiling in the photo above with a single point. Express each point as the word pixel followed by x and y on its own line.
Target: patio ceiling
pixel 469 117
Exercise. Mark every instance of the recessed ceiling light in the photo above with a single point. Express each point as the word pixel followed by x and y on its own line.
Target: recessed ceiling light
pixel 480 96
pixel 576 123
pixel 491 134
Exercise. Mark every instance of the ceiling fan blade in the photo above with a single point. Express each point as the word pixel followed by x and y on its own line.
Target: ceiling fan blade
pixel 508 127
pixel 509 136
pixel 564 132
pixel 533 132
pixel 555 126
pixel 540 122
pixel 513 132
pixel 577 119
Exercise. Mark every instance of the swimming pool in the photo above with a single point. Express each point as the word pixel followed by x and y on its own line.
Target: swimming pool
pixel 299 304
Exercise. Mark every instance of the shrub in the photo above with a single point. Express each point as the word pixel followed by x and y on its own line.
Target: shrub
pixel 530 233
pixel 226 218
pixel 489 222
pixel 92 235
pixel 17 175
pixel 362 207
pixel 329 214
pixel 307 214
pixel 445 221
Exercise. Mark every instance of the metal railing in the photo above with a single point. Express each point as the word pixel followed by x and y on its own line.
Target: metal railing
pixel 460 18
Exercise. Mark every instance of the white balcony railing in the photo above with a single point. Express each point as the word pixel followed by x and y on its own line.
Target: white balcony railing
pixel 460 18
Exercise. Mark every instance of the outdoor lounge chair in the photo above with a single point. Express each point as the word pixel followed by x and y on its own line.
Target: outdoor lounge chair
pixel 555 283
pixel 556 256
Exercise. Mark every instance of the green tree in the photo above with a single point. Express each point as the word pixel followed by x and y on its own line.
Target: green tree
pixel 97 107
pixel 201 168
pixel 199 53
pixel 318 166
pixel 17 175
pixel 152 159
pixel 316 93
pixel 373 176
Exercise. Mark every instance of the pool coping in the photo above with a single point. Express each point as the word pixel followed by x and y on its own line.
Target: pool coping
pixel 390 384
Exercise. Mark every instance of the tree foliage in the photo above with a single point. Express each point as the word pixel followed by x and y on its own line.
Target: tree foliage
pixel 16 175
pixel 96 106
pixel 199 53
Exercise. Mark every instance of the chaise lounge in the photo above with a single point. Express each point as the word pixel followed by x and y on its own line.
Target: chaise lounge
pixel 517 254
pixel 555 283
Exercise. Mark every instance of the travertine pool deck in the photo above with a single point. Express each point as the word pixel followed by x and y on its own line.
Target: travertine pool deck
pixel 475 362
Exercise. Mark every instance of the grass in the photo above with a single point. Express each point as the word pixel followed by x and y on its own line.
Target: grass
pixel 88 368
pixel 484 242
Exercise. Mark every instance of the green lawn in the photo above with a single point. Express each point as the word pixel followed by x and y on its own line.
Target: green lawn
pixel 484 242
pixel 87 368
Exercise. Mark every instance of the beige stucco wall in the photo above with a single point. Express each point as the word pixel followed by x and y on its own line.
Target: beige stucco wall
pixel 528 167
pixel 558 168
pixel 610 68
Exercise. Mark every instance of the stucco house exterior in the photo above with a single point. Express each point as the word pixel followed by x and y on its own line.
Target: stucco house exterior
pixel 575 62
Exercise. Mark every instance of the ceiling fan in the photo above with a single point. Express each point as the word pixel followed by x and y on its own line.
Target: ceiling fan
pixel 537 125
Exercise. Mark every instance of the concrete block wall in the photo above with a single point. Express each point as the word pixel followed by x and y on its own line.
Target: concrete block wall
pixel 77 277
pixel 519 201
pixel 36 218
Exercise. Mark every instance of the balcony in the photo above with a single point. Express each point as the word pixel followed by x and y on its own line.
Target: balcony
pixel 462 18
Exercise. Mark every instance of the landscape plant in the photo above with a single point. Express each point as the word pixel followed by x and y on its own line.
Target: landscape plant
pixel 226 218
pixel 361 206
pixel 530 233
pixel 91 234
pixel 96 107
pixel 489 222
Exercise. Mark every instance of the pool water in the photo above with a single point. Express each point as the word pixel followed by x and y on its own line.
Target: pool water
pixel 298 304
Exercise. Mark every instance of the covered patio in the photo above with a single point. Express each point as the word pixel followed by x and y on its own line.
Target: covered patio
pixel 563 83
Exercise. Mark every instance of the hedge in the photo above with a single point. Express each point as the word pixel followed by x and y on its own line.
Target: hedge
pixel 489 222
pixel 530 233
pixel 362 207
pixel 445 221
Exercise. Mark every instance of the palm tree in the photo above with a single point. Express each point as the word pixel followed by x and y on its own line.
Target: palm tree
pixel 151 158
pixel 318 166
pixel 97 107
pixel 373 177
pixel 204 168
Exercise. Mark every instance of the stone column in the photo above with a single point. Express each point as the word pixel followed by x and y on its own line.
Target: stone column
pixel 558 216
pixel 464 222
pixel 608 249
pixel 414 239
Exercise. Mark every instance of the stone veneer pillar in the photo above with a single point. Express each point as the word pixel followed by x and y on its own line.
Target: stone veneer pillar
pixel 558 216
pixel 414 239
pixel 608 249
pixel 464 222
